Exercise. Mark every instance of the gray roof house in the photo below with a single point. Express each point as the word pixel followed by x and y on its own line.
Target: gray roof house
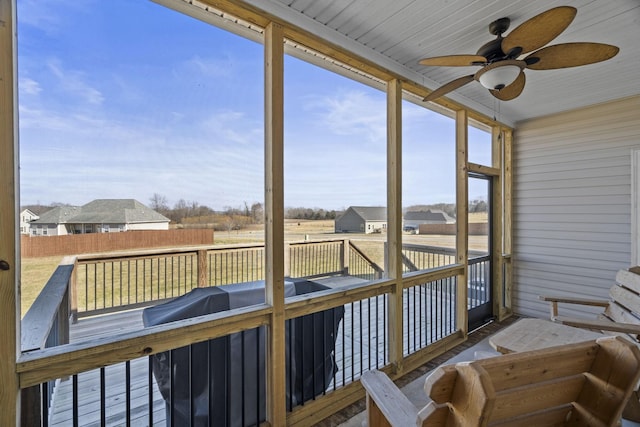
pixel 362 219
pixel 99 216
pixel 432 216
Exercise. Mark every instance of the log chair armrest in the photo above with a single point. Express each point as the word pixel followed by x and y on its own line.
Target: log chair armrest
pixel 603 325
pixel 554 300
pixel 385 402
pixel 571 300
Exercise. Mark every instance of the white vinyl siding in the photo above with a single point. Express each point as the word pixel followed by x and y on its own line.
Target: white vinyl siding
pixel 572 203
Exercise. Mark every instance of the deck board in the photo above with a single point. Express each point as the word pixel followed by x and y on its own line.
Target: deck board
pixel 360 343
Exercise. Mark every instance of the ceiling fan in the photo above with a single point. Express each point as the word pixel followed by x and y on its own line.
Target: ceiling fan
pixel 502 69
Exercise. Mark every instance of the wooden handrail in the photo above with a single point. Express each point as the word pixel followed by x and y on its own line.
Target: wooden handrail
pixel 53 300
pixel 39 366
pixel 373 264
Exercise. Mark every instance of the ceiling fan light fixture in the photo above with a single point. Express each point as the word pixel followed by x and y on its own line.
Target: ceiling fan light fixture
pixel 499 77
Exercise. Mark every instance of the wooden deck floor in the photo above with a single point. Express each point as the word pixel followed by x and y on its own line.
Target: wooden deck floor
pixel 360 344
pixel 89 383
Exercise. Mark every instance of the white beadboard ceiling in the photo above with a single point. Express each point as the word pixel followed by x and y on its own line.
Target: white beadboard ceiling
pixel 398 33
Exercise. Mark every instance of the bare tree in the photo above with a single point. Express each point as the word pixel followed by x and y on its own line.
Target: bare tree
pixel 159 203
pixel 257 212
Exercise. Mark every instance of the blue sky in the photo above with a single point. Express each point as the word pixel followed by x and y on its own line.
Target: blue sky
pixel 125 98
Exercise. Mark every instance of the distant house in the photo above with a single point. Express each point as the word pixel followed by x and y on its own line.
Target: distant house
pixel 26 217
pixel 362 219
pixel 99 216
pixel 413 219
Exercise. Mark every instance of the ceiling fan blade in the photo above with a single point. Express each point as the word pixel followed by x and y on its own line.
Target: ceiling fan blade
pixel 454 60
pixel 512 91
pixel 539 30
pixel 452 85
pixel 567 55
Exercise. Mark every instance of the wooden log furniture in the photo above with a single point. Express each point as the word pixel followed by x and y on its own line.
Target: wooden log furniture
pixel 534 334
pixel 621 313
pixel 578 384
pixel 620 316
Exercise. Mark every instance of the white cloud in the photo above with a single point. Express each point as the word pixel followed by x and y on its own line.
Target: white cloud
pixel 29 86
pixel 352 113
pixel 49 15
pixel 209 67
pixel 227 126
pixel 73 83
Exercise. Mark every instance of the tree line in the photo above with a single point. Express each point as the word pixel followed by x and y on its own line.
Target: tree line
pixel 193 214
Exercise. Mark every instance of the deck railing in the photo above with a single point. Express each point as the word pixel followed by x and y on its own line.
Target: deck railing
pixel 46 325
pixel 107 282
pixel 362 342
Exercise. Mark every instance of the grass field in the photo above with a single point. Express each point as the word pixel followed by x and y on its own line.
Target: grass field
pixel 35 274
pixel 37 271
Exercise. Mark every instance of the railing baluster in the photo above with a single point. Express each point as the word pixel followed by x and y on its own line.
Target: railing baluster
pixel 127 391
pixel 46 400
pixel 172 400
pixel 242 388
pixel 74 396
pixel 103 397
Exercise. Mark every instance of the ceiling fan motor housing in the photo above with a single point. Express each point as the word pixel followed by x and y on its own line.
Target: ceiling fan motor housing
pixel 492 50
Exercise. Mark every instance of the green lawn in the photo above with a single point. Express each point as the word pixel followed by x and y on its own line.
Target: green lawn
pixel 35 274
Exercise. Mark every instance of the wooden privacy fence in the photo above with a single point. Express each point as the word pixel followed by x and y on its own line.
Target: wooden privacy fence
pixel 40 246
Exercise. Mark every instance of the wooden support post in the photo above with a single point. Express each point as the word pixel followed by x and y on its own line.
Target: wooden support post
pixel 203 269
pixel 73 292
pixel 274 222
pixel 506 214
pixel 9 238
pixel 344 257
pixel 462 218
pixel 287 260
pixel 394 219
pixel 496 223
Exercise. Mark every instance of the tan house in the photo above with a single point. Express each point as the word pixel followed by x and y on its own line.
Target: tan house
pixel 99 216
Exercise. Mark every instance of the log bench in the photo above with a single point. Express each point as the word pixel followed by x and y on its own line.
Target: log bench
pixel 575 385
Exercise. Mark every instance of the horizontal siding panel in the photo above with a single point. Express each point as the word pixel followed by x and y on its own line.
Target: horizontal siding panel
pixel 572 259
pixel 567 255
pixel 572 209
pixel 576 218
pixel 575 245
pixel 572 203
pixel 606 199
pixel 571 174
pixel 576 238
pixel 607 166
pixel 583 184
pixel 583 153
pixel 533 192
pixel 574 227
pixel 558 274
